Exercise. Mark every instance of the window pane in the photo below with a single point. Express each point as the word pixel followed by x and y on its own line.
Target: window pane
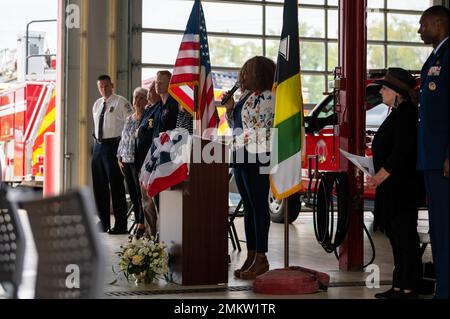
pixel 403 27
pixel 375 4
pixel 274 20
pixel 330 83
pixel 304 1
pixel 332 2
pixel 160 48
pixel 333 57
pixel 272 47
pixel 233 52
pixel 322 2
pixel 233 18
pixel 421 5
pixel 375 26
pixel 375 57
pixel 149 73
pixel 311 22
pixel 313 87
pixel 155 15
pixel 312 56
pixel 333 24
pixel 410 58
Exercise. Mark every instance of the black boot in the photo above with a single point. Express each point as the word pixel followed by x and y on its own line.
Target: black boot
pixel 389 294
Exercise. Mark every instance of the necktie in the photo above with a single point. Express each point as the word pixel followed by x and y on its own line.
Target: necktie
pixel 100 123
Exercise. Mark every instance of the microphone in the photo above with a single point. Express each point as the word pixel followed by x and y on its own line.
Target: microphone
pixel 230 93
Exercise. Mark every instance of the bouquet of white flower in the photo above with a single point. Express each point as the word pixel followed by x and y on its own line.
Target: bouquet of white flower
pixel 144 259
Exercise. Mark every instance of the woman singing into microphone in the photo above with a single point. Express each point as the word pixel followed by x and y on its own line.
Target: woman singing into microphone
pixel 251 119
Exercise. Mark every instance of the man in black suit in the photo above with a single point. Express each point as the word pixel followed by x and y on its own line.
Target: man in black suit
pixel 433 140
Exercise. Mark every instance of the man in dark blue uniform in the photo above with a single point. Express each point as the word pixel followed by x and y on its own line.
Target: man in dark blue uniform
pixel 433 140
pixel 159 118
pixel 144 134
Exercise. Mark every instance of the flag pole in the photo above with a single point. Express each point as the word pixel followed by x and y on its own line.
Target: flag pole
pixel 286 235
pixel 290 279
pixel 195 122
pixel 197 86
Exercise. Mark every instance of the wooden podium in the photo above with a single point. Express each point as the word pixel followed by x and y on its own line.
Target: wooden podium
pixel 193 220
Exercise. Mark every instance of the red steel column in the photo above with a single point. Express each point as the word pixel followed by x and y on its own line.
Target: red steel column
pixel 352 59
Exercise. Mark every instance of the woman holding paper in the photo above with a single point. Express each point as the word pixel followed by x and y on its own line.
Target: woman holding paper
pixel 394 158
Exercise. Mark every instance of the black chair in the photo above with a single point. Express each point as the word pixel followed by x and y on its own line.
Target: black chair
pixel 423 230
pixel 428 281
pixel 131 216
pixel 424 239
pixel 12 246
pixel 70 254
pixel 233 212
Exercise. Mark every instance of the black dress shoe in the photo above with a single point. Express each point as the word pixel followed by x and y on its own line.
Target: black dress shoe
pixel 117 231
pixel 388 294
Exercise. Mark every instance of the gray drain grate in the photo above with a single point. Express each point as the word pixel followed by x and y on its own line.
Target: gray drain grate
pixel 176 291
pixel 356 284
pixel 220 289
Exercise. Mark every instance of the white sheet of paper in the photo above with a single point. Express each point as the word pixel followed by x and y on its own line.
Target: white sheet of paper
pixel 363 163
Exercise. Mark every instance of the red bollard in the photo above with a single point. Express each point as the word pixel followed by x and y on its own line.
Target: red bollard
pixel 49 164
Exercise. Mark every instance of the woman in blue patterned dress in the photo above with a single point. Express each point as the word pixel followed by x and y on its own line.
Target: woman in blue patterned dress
pixel 126 156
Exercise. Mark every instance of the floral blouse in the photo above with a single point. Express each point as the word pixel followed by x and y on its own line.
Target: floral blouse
pixel 257 121
pixel 125 151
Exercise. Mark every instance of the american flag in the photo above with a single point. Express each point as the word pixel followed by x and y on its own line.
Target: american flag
pixel 193 67
pixel 160 170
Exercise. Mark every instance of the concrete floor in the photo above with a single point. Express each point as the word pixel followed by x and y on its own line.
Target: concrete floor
pixel 304 251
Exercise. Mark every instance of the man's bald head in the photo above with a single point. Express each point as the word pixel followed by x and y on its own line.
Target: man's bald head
pixel 434 25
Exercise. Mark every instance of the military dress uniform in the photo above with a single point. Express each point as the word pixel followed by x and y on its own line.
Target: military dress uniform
pixel 433 144
pixel 109 118
pixel 145 134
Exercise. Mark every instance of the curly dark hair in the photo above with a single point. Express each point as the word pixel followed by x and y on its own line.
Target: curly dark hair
pixel 257 74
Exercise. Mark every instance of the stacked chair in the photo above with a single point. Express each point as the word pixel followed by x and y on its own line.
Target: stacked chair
pixel 70 254
pixel 12 246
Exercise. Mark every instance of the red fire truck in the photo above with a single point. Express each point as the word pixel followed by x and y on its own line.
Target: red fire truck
pixel 27 108
pixel 27 112
pixel 322 141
